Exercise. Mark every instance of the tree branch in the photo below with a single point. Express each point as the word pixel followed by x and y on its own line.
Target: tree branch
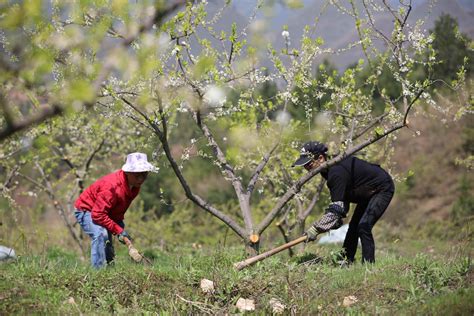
pixel 315 199
pixel 10 176
pixel 219 154
pixel 258 170
pixel 47 111
pixel 162 135
pixel 91 156
pixel 376 121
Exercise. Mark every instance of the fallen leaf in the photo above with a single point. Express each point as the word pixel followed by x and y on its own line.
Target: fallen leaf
pixel 245 304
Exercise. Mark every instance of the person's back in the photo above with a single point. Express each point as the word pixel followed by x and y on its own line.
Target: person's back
pixel 109 195
pixel 355 180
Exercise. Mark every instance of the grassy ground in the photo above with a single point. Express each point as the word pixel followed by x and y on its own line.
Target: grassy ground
pixel 409 278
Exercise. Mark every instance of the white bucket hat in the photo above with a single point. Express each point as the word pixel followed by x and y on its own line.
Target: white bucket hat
pixel 138 162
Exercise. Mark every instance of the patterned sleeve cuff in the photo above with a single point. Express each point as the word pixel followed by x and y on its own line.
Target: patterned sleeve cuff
pixel 337 208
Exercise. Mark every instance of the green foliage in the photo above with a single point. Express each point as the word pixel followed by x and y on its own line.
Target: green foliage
pixel 433 277
pixel 451 47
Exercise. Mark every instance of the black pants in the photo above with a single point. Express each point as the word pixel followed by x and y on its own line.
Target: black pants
pixel 109 246
pixel 366 214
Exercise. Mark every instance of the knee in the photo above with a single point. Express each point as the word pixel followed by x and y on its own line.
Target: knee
pixel 99 234
pixel 364 229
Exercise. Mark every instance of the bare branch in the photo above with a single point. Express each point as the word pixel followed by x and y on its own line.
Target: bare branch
pixel 162 135
pixel 10 176
pixel 314 200
pixel 258 170
pixel 411 105
pixel 372 23
pixel 394 14
pixel 91 156
pixel 405 18
pixel 189 81
pixel 286 238
pixel 218 153
pixel 136 109
pixel 244 198
pixel 33 181
pixel 376 121
pixel 45 112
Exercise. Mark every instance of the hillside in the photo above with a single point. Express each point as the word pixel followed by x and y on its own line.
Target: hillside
pixel 433 189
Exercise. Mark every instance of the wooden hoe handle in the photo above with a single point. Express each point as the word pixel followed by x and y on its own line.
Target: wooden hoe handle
pixel 127 241
pixel 245 263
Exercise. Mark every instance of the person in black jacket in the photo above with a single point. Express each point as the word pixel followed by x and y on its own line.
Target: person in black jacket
pixel 351 180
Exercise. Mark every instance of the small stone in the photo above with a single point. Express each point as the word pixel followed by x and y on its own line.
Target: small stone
pixel 133 252
pixel 349 300
pixel 277 306
pixel 207 286
pixel 245 305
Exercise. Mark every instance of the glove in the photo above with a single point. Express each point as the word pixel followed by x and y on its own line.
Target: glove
pixel 122 235
pixel 312 233
pixel 327 222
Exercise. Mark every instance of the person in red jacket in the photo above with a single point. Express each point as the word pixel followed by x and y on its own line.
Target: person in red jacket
pixel 100 209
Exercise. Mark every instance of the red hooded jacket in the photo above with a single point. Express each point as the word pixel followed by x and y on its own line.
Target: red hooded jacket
pixel 107 199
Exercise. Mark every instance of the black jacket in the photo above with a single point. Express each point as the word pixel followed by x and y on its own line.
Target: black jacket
pixel 354 180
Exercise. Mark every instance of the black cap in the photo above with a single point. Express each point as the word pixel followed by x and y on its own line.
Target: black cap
pixel 309 151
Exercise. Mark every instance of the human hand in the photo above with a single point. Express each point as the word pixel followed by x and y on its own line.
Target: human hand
pixel 312 233
pixel 121 237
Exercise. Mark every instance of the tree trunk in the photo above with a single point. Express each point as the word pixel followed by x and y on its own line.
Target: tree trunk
pixel 252 249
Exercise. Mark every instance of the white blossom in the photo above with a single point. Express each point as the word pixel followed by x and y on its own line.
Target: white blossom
pixel 176 50
pixel 283 117
pixel 214 96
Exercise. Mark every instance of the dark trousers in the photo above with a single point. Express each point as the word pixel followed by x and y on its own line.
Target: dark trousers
pixel 366 214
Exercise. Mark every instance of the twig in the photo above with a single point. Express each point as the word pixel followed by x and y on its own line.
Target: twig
pixel 199 305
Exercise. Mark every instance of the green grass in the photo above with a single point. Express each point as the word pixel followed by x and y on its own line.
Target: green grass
pixel 424 283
